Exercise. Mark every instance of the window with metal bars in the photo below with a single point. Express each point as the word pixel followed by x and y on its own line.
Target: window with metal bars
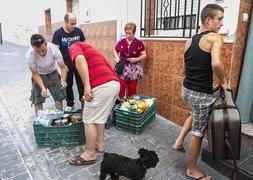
pixel 177 22
pixel 169 18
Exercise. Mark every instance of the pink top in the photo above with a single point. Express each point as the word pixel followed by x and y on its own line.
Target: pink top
pixel 136 48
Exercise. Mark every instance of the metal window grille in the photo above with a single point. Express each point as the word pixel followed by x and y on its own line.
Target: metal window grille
pixel 169 18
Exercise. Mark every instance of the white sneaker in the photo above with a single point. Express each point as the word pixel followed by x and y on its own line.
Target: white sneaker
pixel 70 109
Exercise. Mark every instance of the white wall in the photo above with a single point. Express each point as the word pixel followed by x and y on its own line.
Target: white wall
pixel 231 11
pixel 120 10
pixel 17 23
pixel 20 19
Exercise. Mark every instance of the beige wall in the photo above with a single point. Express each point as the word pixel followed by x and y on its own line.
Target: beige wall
pixel 102 35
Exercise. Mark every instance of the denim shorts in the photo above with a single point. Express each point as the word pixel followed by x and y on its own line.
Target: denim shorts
pixel 52 82
pixel 200 104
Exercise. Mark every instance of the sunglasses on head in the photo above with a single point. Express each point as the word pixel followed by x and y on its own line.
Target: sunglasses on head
pixel 37 41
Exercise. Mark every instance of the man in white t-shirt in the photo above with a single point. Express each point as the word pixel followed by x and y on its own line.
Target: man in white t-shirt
pixel 42 59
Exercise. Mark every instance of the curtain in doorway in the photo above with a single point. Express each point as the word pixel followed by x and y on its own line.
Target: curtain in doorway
pixel 244 98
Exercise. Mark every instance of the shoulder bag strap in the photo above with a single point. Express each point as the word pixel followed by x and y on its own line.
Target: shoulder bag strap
pixel 227 132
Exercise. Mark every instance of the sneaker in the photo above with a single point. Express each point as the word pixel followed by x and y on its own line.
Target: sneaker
pixel 70 109
pixel 119 101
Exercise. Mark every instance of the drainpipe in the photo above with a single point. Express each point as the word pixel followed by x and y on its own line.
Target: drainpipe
pixel 244 99
pixel 1 35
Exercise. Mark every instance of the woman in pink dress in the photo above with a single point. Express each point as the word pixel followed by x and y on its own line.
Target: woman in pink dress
pixel 132 51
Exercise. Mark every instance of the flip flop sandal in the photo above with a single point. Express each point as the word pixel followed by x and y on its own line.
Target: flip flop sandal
pixel 98 151
pixel 193 178
pixel 79 161
pixel 182 149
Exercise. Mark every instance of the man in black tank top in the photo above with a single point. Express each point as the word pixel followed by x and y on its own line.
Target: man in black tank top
pixel 202 58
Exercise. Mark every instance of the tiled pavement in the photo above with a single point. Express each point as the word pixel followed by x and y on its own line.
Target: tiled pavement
pixel 20 158
pixel 11 161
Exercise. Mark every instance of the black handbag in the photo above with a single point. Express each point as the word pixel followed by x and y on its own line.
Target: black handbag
pixel 224 128
pixel 119 67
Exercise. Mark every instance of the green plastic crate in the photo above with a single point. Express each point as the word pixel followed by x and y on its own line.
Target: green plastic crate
pixel 133 121
pixel 59 136
pixel 133 118
pixel 78 111
pixel 111 119
pixel 125 126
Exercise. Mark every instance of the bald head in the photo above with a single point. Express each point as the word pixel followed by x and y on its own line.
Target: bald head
pixel 69 22
pixel 69 16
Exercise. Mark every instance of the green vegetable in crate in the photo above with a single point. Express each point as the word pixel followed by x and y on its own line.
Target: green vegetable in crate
pixel 133 108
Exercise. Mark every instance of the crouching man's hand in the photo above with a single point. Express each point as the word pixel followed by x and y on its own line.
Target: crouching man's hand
pixel 64 84
pixel 44 93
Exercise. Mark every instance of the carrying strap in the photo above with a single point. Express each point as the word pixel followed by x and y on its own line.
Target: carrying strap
pixel 227 142
pixel 223 106
pixel 130 49
pixel 128 52
pixel 223 100
pixel 236 169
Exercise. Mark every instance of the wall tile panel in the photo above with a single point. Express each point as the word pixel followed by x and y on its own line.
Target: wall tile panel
pixel 163 88
pixel 177 98
pixel 179 115
pixel 178 60
pixel 163 57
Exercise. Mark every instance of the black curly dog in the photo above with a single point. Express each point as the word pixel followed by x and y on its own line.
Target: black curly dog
pixel 117 165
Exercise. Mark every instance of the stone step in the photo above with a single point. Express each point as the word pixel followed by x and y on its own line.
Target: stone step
pixel 226 167
pixel 247 141
pixel 247 135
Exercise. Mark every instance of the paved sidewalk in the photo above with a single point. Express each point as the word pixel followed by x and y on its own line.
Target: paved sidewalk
pixel 12 164
pixel 20 158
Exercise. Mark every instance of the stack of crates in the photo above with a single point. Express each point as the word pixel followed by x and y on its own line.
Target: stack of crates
pixel 111 119
pixel 132 121
pixel 59 136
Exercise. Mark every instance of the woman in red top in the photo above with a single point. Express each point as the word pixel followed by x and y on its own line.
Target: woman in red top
pixel 101 89
pixel 132 51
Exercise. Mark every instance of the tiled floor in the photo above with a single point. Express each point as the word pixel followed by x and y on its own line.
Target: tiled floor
pixel 247 129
